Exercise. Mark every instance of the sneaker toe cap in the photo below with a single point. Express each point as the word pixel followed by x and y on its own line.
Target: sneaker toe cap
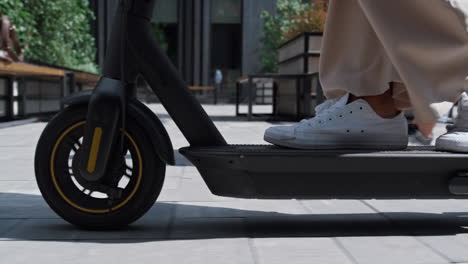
pixel 455 141
pixel 280 132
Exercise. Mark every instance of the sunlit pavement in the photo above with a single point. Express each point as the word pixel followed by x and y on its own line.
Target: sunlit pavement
pixel 190 225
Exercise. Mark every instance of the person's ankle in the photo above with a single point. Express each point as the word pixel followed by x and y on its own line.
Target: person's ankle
pixel 426 129
pixel 382 105
pixel 385 111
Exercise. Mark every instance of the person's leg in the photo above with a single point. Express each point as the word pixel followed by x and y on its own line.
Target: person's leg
pixel 423 134
pixel 427 42
pixel 354 61
pixel 456 139
pixel 356 73
pixel 383 104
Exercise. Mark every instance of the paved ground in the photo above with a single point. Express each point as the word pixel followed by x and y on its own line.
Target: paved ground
pixel 189 225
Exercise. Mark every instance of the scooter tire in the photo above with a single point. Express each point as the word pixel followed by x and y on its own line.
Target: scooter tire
pixel 55 178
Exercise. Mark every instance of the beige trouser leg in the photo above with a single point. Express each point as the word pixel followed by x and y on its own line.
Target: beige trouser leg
pixel 422 45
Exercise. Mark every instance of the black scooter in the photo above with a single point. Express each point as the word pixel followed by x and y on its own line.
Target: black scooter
pixel 100 163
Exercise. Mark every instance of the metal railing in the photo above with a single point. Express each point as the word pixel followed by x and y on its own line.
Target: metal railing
pixel 303 92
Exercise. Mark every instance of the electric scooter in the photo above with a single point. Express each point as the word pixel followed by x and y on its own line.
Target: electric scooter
pixel 100 163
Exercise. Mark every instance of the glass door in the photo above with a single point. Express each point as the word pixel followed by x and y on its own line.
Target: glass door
pixel 3 98
pixel 226 40
pixel 166 27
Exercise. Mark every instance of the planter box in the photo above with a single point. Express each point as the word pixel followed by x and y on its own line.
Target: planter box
pixel 300 55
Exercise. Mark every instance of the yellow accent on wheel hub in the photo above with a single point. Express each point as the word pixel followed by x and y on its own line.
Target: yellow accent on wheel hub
pixel 65 198
pixel 94 150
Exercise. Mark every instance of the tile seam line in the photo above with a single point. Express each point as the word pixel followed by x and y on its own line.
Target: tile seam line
pixel 335 240
pixel 251 243
pixel 412 234
pixel 19 222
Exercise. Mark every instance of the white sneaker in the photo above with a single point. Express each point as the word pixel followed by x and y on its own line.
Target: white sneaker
pixel 423 140
pixel 338 125
pixel 456 140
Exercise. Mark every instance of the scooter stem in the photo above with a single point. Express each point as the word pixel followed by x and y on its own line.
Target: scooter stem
pixel 144 56
pixel 166 81
pixel 108 103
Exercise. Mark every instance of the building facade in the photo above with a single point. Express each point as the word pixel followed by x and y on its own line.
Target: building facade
pixel 200 36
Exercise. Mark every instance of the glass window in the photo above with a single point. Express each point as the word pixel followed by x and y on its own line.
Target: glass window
pixel 226 11
pixel 3 87
pixel 165 27
pixel 32 106
pixel 15 88
pixel 226 40
pixel 15 108
pixel 2 108
pixel 165 12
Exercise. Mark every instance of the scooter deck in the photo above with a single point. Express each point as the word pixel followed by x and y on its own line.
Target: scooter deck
pixel 265 171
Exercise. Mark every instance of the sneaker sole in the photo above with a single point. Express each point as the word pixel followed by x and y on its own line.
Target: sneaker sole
pixel 454 147
pixel 321 145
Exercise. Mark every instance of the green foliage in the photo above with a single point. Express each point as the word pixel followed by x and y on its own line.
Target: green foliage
pixel 291 18
pixel 158 31
pixel 56 32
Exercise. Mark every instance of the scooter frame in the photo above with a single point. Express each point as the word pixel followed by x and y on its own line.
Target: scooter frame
pixel 247 171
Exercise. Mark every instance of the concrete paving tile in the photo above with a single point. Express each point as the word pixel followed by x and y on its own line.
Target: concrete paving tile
pixel 154 225
pixel 286 219
pixel 24 129
pixel 429 224
pixel 174 171
pixel 421 206
pixel 319 226
pixel 298 251
pixel 391 250
pixel 336 207
pixel 239 208
pixel 192 174
pixel 41 229
pixel 453 248
pixel 19 187
pixel 26 135
pixel 17 205
pixel 23 153
pixel 7 225
pixel 190 170
pixel 462 237
pixel 426 218
pixel 222 251
pixel 208 228
pixel 181 161
pixel 189 190
pixel 14 170
pixel 172 183
pixel 207 210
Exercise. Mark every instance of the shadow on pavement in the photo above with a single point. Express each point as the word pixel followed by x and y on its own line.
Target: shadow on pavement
pixel 33 220
pixel 180 160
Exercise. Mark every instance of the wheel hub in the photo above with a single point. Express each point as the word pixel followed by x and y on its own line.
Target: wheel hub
pixel 109 182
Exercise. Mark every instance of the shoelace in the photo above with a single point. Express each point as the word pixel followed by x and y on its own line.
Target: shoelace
pixel 456 127
pixel 461 121
pixel 322 113
pixel 325 105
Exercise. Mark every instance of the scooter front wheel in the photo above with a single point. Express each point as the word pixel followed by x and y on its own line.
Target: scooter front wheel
pixel 137 176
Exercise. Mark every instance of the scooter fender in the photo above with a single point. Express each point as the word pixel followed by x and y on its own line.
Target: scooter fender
pixel 105 109
pixel 161 141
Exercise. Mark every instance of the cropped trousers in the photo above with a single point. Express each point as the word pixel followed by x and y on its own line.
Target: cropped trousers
pixel 418 48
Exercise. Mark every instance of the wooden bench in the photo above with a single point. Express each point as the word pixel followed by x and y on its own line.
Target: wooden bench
pixel 86 78
pixel 206 88
pixel 24 69
pixel 19 100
